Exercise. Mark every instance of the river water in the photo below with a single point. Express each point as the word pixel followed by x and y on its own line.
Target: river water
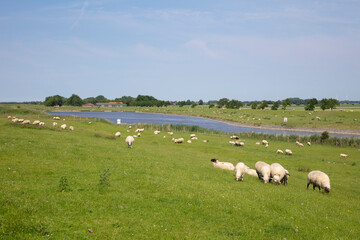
pixel 162 119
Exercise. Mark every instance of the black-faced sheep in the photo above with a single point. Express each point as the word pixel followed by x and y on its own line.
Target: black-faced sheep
pixel 318 179
pixel 223 165
pixel 278 174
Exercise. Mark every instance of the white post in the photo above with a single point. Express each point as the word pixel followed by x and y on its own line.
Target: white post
pixel 118 121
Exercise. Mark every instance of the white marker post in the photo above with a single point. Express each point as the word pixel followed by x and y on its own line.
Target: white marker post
pixel 285 119
pixel 118 121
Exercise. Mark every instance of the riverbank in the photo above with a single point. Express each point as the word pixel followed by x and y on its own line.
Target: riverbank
pixel 314 130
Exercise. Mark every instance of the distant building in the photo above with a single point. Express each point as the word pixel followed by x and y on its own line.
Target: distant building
pixel 88 105
pixel 111 104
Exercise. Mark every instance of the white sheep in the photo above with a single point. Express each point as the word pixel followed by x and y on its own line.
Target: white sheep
pixel 299 144
pixel 156 132
pixel 192 135
pixel 130 127
pixel 309 143
pixel 20 120
pixel 279 151
pixel 14 120
pixel 56 118
pixel 264 142
pixel 278 173
pixel 188 141
pixel 63 127
pixel 117 134
pixel 194 138
pixel 251 172
pixel 257 143
pixel 41 124
pixel 54 124
pixel 240 170
pixel 232 142
pixel 179 140
pixel 9 117
pixel 140 130
pixel 170 133
pixel 343 155
pixel 234 137
pixel 26 122
pixel 241 144
pixel 205 141
pixel 36 122
pixel 129 140
pixel 319 179
pixel 263 171
pixel 266 145
pixel 71 128
pixel 288 152
pixel 223 165
pixel 139 134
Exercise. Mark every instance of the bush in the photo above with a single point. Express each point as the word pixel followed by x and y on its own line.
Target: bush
pixel 324 136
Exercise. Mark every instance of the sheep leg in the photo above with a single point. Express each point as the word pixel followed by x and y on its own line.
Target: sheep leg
pixel 314 186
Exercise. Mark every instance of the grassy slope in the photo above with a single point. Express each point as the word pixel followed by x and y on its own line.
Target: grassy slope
pixel 161 190
pixel 344 117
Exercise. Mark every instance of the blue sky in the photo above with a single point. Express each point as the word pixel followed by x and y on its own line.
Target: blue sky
pixel 178 50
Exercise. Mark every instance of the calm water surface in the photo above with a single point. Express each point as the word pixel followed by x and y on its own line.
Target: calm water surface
pixel 158 118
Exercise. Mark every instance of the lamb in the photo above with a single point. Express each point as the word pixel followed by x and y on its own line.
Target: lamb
pixel 278 173
pixel 36 122
pixel 263 171
pixel 117 134
pixel 288 152
pixel 223 165
pixel 251 172
pixel 63 127
pixel 139 134
pixel 279 151
pixel 129 140
pixel 343 155
pixel 54 124
pixel 71 128
pixel 319 179
pixel 240 170
pixel 156 132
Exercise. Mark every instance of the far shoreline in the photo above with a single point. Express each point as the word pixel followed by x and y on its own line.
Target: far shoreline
pixel 238 124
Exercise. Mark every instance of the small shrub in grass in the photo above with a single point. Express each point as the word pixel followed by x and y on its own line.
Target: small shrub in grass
pixel 64 185
pixel 104 178
pixel 100 135
pixel 353 164
pixel 324 136
pixel 303 169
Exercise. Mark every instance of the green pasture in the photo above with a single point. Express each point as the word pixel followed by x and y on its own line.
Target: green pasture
pixel 85 184
pixel 347 116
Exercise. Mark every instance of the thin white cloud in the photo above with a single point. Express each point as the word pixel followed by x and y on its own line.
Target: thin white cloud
pixel 85 4
pixel 201 46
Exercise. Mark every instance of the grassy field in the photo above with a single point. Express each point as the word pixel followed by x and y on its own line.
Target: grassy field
pixel 346 116
pixel 86 184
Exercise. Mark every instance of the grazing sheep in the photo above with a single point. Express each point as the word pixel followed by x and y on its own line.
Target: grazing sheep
pixel 205 141
pixel 188 141
pixel 117 134
pixel 286 178
pixel 130 127
pixel 234 137
pixel 164 136
pixel 135 136
pixel 170 133
pixel 71 128
pixel 266 145
pixel 318 179
pixel 278 173
pixel 129 140
pixel 194 138
pixel 56 118
pixel 156 132
pixel 309 143
pixel 279 151
pixel 263 171
pixel 26 122
pixel 223 165
pixel 240 170
pixel 20 120
pixel 251 172
pixel 299 144
pixel 264 142
pixel 288 152
pixel 241 144
pixel 36 122
pixel 63 127
pixel 232 142
pixel 343 155
pixel 14 120
pixel 179 140
pixel 54 124
pixel 140 130
pixel 41 124
pixel 139 134
pixel 192 135
pixel 257 143
pixel 9 117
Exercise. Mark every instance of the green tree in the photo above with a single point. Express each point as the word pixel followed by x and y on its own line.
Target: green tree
pixel 193 105
pixel 234 104
pixel 55 100
pixel 311 104
pixel 263 105
pixel 222 102
pixel 332 103
pixel 101 99
pixel 286 103
pixel 324 103
pixel 324 136
pixel 90 100
pixel 253 105
pixel 201 102
pixel 211 105
pixel 275 106
pixel 181 103
pixel 74 100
